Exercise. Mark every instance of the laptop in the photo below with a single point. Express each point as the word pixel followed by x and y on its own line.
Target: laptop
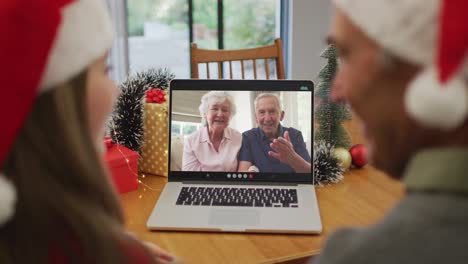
pixel 261 200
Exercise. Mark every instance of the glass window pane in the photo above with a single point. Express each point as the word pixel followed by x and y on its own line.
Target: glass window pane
pixel 175 128
pixel 305 116
pixel 205 23
pixel 184 128
pixel 158 35
pixel 249 23
pixel 189 128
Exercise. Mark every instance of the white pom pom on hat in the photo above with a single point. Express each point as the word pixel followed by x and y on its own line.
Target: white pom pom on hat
pixel 435 105
pixel 430 33
pixel 47 43
pixel 84 35
pixel 7 199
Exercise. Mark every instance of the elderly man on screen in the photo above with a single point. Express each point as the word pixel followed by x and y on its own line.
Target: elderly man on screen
pixel 271 147
pixel 404 72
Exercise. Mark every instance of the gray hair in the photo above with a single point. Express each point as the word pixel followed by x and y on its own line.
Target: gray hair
pixel 215 97
pixel 266 95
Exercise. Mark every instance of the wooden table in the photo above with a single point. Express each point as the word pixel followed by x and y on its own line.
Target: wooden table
pixel 362 198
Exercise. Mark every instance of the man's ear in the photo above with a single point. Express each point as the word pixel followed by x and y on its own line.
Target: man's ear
pixel 282 116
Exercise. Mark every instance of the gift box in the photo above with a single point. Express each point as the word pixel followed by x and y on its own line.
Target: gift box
pixel 154 149
pixel 123 166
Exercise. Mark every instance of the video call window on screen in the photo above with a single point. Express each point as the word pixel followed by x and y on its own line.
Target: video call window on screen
pixel 231 131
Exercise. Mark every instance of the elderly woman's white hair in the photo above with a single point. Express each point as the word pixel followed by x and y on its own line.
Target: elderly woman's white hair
pixel 212 98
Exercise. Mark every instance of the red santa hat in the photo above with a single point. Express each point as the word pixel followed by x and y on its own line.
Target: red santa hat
pixel 429 33
pixel 45 43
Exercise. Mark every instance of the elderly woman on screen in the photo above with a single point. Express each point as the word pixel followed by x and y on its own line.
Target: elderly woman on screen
pixel 215 146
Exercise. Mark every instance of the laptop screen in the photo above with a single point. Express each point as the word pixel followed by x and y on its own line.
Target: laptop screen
pixel 241 130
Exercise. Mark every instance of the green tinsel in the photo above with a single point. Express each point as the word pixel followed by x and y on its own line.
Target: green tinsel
pixel 126 125
pixel 329 116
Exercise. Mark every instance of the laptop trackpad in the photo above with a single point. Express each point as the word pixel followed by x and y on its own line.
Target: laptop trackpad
pixel 234 217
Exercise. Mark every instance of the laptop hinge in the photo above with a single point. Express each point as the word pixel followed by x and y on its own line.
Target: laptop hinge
pixel 241 183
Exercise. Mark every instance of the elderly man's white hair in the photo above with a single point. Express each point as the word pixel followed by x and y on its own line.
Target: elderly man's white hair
pixel 268 95
pixel 410 30
pixel 212 98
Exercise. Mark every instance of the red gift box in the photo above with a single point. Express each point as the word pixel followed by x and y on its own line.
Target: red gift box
pixel 124 173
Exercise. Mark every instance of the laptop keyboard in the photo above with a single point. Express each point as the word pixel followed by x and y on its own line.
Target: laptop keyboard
pixel 248 197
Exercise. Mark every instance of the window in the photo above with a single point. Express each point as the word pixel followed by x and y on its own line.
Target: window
pixel 184 128
pixel 304 116
pixel 160 31
pixel 298 113
pixel 158 35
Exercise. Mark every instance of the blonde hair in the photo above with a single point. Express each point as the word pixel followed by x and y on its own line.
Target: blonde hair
pixel 64 193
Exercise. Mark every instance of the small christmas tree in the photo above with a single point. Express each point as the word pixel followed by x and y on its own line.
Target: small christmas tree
pixel 126 125
pixel 329 115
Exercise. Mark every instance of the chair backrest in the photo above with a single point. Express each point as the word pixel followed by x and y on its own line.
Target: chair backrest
pixel 264 53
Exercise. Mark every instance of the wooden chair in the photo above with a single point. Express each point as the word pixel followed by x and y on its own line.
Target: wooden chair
pixel 203 56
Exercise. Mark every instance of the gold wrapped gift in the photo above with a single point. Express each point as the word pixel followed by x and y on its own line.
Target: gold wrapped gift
pixel 154 150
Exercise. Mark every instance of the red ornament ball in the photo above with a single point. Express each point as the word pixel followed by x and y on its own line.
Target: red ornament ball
pixel 358 155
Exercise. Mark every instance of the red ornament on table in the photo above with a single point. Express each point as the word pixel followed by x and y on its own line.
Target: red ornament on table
pixel 358 155
pixel 155 95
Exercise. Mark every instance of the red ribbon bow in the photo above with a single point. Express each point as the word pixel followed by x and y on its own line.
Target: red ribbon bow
pixel 155 95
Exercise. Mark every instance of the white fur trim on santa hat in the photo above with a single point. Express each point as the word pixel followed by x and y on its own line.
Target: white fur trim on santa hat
pixel 84 35
pixel 7 199
pixel 435 105
pixel 405 28
pixel 408 30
